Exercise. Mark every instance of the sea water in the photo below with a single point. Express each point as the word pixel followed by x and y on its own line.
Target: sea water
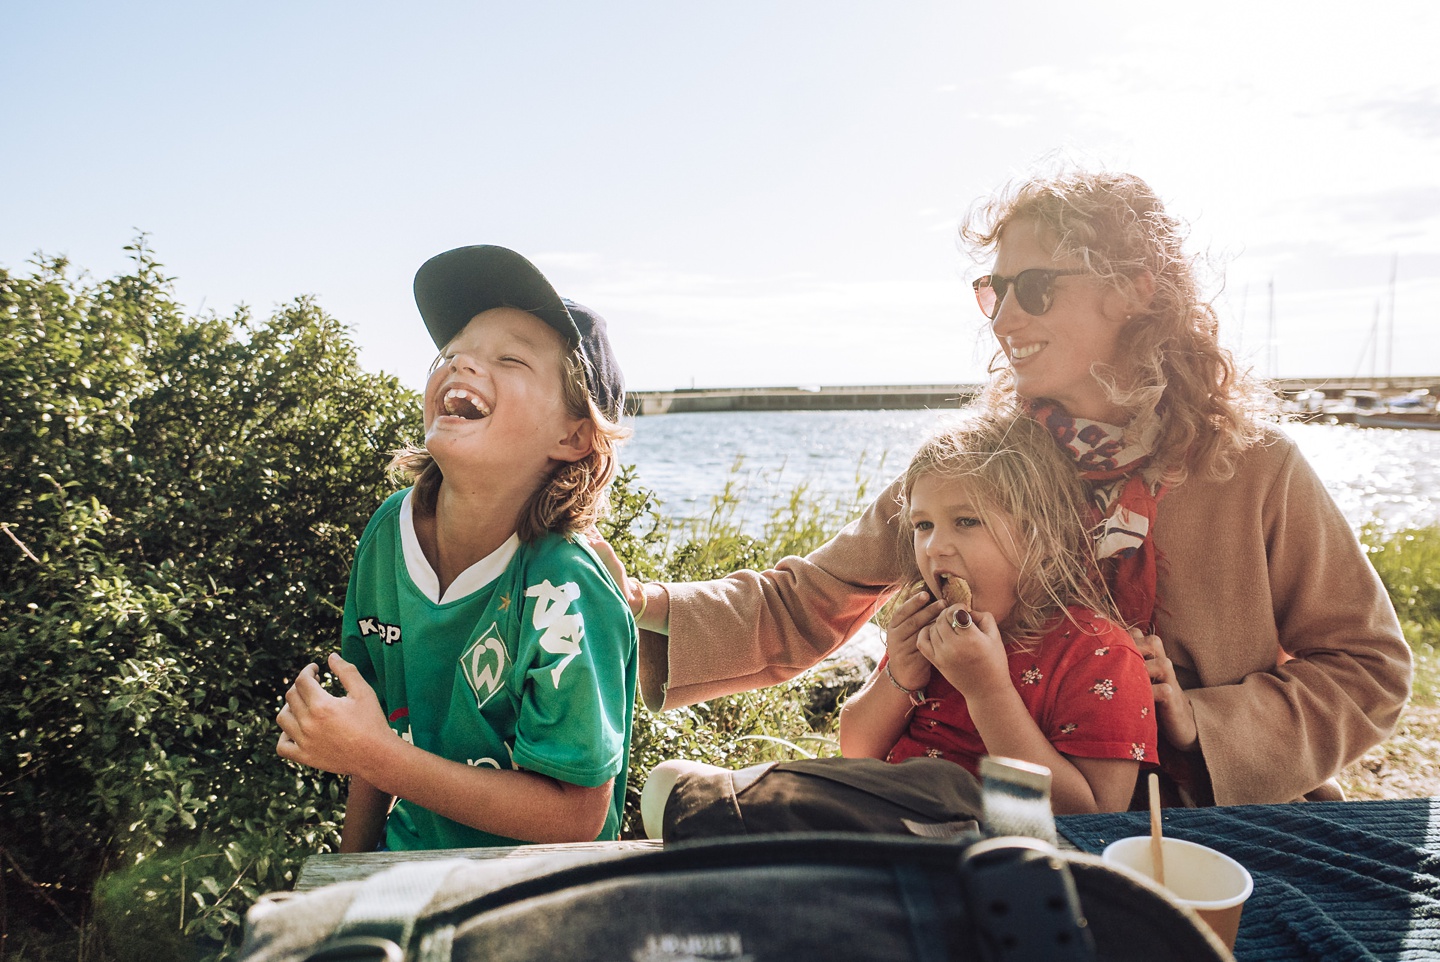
pixel 1376 475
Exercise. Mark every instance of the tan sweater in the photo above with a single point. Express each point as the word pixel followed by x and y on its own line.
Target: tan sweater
pixel 1262 561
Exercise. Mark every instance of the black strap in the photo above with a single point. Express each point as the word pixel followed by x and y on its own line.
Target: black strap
pixel 917 896
pixel 381 919
pixel 1023 903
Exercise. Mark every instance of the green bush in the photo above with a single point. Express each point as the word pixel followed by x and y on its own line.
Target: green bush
pixel 717 543
pixel 1408 562
pixel 182 499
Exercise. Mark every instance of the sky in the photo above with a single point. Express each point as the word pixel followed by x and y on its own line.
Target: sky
pixel 751 193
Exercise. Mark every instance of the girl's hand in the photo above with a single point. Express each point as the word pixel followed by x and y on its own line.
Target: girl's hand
pixel 968 650
pixel 1172 705
pixel 909 667
pixel 333 734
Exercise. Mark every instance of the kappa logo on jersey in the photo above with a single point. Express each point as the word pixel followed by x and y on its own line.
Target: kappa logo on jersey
pixel 390 634
pixel 484 665
pixel 562 632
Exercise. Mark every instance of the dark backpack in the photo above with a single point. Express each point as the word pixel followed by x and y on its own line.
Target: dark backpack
pixel 798 896
pixel 795 897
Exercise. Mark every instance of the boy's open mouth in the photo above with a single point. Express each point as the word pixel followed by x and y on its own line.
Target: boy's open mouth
pixel 460 403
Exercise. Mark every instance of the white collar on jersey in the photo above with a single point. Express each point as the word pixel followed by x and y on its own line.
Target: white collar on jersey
pixel 471 580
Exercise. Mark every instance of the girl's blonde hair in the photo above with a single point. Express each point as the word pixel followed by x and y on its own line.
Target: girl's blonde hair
pixel 1012 464
pixel 577 493
pixel 1174 376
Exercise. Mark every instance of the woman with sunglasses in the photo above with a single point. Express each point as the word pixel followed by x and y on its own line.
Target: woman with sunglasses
pixel 1275 655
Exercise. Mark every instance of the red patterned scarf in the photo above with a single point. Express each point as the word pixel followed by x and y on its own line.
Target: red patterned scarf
pixel 1123 505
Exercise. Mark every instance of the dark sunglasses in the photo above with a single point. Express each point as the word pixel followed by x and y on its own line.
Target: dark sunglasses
pixel 1034 290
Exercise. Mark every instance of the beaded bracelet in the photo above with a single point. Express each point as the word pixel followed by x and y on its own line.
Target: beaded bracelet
pixel 916 695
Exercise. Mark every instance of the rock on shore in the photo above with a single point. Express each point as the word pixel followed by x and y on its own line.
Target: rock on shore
pixel 842 672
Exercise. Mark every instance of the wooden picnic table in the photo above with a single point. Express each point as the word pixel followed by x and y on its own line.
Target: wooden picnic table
pixel 318 870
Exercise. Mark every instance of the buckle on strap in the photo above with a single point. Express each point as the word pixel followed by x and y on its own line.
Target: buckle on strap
pixel 1023 901
pixel 358 948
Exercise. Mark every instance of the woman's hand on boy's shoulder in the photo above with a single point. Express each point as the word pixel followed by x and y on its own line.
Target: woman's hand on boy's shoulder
pixel 335 734
pixel 630 588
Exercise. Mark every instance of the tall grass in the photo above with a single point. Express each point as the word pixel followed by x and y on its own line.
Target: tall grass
pixel 752 727
pixel 1408 563
pixel 729 535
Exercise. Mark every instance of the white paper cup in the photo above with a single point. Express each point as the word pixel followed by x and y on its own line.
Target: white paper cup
pixel 1211 883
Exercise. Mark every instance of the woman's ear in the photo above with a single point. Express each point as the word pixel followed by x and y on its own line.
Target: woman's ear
pixel 1122 305
pixel 577 444
pixel 1144 287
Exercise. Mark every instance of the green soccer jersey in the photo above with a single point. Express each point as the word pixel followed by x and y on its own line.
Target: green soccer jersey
pixel 528 661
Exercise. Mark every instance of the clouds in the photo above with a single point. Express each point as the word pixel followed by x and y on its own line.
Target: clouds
pixel 1417 111
pixel 1257 112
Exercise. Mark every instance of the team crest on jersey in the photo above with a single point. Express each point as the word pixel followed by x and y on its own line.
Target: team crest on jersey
pixel 485 665
pixel 562 632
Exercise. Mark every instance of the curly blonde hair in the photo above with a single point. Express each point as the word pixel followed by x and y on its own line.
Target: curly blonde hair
pixel 1011 463
pixel 578 492
pixel 1174 377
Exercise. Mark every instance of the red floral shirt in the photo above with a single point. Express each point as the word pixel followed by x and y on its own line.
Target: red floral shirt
pixel 1086 687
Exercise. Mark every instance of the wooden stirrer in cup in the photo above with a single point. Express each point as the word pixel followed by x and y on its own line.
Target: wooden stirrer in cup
pixel 1156 835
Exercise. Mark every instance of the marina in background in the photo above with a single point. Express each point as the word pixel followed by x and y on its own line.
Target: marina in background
pixel 1369 409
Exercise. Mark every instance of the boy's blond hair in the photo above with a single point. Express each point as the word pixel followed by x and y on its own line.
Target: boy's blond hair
pixel 577 493
pixel 1011 463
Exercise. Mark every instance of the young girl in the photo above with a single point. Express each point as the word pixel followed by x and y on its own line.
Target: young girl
pixel 489 660
pixel 1034 667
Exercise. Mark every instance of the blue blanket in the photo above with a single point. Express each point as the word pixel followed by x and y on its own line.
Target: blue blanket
pixel 1333 880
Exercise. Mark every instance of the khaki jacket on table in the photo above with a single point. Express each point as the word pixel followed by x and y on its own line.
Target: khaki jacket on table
pixel 1248 566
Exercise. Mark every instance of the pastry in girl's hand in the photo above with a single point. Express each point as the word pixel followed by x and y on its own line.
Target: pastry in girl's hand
pixel 955 591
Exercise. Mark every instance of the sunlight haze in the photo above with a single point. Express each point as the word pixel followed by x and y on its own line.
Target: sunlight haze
pixel 751 193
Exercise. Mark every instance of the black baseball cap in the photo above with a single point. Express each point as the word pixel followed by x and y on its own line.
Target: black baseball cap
pixel 451 288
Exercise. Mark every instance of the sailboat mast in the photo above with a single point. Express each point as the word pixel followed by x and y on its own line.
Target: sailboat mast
pixel 1272 349
pixel 1390 341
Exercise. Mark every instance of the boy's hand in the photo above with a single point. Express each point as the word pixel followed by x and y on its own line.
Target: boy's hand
pixel 908 664
pixel 333 734
pixel 968 650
